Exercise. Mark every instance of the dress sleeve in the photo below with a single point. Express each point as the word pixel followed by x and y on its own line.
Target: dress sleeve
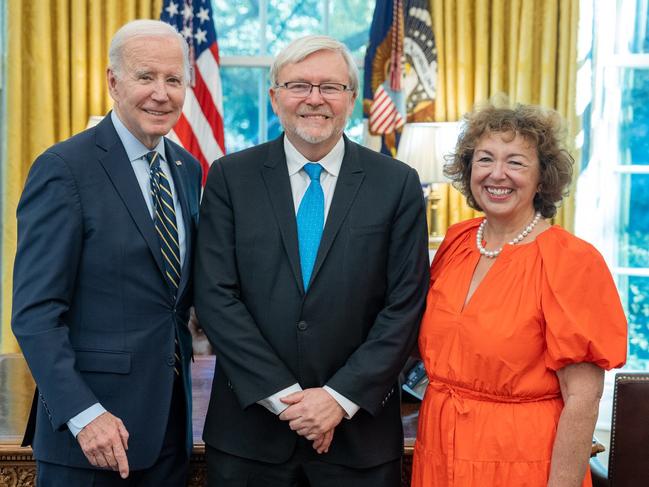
pixel 584 319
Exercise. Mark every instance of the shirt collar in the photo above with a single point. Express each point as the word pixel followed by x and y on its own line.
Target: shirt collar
pixel 331 162
pixel 134 148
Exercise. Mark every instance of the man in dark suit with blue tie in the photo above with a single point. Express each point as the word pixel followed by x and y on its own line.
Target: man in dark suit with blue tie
pixel 311 276
pixel 102 287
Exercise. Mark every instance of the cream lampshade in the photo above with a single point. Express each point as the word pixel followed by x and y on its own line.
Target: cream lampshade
pixel 423 146
pixel 94 120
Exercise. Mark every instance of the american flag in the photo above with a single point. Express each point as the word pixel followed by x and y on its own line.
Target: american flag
pixel 387 112
pixel 200 127
pixel 385 116
pixel 400 71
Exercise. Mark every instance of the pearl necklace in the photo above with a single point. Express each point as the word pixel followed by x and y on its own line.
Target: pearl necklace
pixel 490 254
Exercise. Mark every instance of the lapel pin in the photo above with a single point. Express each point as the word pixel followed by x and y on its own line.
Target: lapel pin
pixel 179 163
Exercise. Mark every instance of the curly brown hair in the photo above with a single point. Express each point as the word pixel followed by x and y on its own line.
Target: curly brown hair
pixel 539 126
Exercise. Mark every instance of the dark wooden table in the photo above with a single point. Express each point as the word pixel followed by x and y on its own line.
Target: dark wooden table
pixel 17 468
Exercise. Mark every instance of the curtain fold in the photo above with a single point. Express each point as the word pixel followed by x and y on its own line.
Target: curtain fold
pixel 526 49
pixel 56 62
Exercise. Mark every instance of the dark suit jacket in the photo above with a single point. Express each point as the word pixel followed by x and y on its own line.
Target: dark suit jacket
pixel 91 308
pixel 352 330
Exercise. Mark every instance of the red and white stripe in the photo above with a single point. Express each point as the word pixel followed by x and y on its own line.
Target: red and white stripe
pixel 384 115
pixel 200 127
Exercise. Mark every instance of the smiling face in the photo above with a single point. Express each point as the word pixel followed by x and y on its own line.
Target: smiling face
pixel 149 89
pixel 505 174
pixel 313 124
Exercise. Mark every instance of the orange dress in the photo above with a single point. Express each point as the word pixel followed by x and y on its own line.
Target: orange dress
pixel 490 412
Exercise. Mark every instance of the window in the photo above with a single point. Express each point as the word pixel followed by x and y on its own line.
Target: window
pixel 630 68
pixel 612 204
pixel 251 33
pixel 616 178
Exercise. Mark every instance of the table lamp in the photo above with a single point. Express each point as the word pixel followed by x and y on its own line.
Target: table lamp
pixel 423 146
pixel 94 120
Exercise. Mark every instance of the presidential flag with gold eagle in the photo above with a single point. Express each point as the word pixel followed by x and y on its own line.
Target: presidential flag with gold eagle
pixel 400 71
pixel 200 127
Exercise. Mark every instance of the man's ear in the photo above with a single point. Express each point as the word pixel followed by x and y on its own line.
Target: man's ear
pixel 111 80
pixel 272 94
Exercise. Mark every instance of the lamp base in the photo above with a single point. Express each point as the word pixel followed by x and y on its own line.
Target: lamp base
pixel 432 194
pixel 434 241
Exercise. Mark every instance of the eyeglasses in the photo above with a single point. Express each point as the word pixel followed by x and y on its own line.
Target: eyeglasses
pixel 302 89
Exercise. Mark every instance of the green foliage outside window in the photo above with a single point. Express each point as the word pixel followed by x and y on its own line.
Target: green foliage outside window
pixel 633 238
pixel 638 316
pixel 633 223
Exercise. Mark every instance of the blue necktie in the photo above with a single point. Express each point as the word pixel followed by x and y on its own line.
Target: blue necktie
pixel 165 225
pixel 310 221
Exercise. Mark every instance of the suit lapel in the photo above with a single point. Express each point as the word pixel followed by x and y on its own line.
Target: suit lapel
pixel 113 158
pixel 350 179
pixel 275 175
pixel 179 174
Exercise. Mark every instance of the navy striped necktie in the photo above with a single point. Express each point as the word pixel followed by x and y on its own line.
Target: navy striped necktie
pixel 165 221
pixel 167 230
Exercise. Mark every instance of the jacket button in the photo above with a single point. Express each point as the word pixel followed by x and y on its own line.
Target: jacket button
pixel 302 325
pixel 171 360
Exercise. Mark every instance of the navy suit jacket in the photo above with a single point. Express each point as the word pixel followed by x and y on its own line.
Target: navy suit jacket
pixel 352 330
pixel 92 311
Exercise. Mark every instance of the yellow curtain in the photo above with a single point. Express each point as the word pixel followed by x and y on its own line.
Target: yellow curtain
pixel 57 56
pixel 524 48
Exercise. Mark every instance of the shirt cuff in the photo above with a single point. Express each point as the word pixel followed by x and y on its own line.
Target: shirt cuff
pixel 350 407
pixel 84 418
pixel 273 404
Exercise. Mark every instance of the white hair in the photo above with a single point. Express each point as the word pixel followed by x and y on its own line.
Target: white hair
pixel 300 48
pixel 144 28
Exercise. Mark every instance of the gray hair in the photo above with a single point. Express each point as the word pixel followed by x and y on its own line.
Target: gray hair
pixel 300 48
pixel 144 28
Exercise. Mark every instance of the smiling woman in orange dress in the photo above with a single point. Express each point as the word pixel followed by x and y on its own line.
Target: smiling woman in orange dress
pixel 522 318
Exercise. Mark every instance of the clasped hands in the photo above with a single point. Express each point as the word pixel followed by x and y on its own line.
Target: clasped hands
pixel 313 414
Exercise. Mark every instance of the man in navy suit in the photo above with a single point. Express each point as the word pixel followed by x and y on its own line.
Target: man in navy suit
pixel 102 291
pixel 311 276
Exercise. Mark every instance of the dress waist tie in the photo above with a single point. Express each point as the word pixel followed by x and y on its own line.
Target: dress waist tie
pixel 458 394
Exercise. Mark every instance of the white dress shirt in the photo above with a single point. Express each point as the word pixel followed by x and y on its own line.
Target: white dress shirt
pixel 300 181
